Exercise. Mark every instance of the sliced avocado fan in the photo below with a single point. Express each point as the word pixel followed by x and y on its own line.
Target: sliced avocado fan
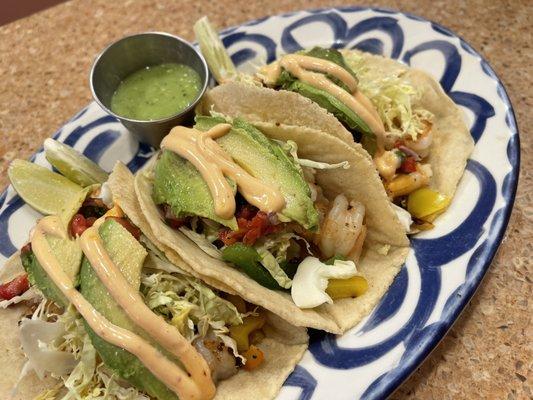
pixel 266 160
pixel 179 184
pixel 129 255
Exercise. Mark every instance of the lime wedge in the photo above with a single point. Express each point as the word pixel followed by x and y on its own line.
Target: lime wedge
pixel 42 189
pixel 74 165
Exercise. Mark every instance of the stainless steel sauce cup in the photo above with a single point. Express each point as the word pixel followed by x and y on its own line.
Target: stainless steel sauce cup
pixel 133 53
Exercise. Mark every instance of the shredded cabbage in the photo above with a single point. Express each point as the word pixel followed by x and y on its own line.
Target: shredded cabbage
pixel 58 344
pixel 292 148
pixel 394 98
pixel 37 338
pixel 278 244
pixel 187 303
pixel 272 266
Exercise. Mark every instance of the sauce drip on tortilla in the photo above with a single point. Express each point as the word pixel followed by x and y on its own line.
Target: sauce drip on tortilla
pixel 214 164
pixel 311 69
pixel 197 385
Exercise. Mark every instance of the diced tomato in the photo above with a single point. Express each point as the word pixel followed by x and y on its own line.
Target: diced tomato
pixel 90 221
pixel 14 287
pixel 260 221
pixel 247 212
pixel 78 224
pixel 228 237
pixel 408 165
pixel 135 232
pixel 26 248
pixel 250 229
pixel 251 236
pixel 272 229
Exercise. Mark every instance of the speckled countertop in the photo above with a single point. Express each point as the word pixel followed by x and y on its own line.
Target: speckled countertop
pixel 44 64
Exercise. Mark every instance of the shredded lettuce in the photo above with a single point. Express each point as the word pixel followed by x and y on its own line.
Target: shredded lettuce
pixel 272 266
pixel 394 98
pixel 59 345
pixel 37 338
pixel 292 148
pixel 187 303
pixel 278 244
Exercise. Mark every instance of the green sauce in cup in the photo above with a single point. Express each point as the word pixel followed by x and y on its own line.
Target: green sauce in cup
pixel 156 92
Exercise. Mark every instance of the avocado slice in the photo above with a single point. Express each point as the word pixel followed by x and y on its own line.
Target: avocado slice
pixel 325 100
pixel 129 256
pixel 267 161
pixel 68 254
pixel 180 185
pixel 334 56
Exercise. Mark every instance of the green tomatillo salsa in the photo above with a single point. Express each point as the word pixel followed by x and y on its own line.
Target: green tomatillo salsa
pixel 156 92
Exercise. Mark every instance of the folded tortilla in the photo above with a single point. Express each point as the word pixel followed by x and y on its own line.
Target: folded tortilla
pixel 283 346
pixel 386 245
pixel 267 108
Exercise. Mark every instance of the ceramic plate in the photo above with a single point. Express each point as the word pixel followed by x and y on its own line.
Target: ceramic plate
pixel 445 265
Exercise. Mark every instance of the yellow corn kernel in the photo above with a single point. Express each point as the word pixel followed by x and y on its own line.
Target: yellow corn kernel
pixel 406 183
pixel 426 203
pixel 241 333
pixel 343 288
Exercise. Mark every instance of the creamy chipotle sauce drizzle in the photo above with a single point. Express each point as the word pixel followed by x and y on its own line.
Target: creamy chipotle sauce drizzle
pixel 195 385
pixel 214 164
pixel 311 69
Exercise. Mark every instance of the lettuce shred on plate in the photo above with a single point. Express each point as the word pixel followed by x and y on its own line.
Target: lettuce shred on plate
pixel 187 303
pixel 393 97
pixel 58 344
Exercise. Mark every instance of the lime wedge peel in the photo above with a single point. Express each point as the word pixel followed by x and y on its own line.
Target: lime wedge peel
pixel 44 190
pixel 72 164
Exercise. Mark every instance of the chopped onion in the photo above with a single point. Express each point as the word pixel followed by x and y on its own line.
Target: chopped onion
pixel 409 152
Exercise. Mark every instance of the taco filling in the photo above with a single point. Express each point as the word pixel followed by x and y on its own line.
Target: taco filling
pixel 252 202
pixel 383 112
pixel 112 317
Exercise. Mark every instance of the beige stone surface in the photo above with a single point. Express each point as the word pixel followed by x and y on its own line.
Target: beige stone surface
pixel 44 65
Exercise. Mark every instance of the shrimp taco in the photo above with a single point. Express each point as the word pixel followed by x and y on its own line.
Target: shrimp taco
pixel 296 222
pixel 111 313
pixel 400 116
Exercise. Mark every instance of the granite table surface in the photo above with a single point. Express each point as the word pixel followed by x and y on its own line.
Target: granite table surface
pixel 44 64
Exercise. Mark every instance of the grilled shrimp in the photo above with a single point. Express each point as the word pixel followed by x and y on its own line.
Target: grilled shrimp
pixel 422 143
pixel 341 227
pixel 221 361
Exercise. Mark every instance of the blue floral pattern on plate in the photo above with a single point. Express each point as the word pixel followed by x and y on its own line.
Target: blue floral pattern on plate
pixel 445 265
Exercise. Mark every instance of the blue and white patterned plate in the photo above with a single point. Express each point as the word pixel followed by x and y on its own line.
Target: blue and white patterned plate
pixel 445 265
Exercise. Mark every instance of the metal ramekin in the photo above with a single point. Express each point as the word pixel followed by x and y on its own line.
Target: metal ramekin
pixel 132 53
